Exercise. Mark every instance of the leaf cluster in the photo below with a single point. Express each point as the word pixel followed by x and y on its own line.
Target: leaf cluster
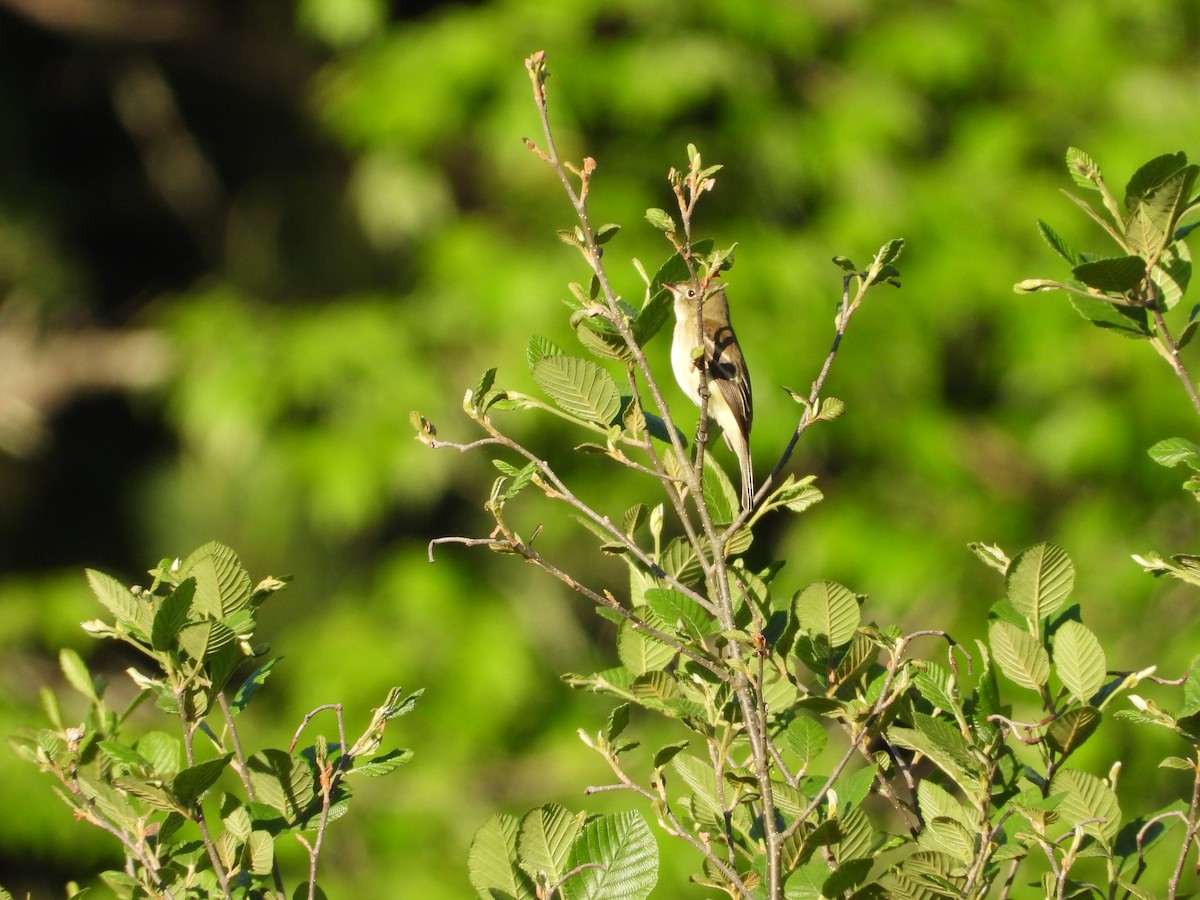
pixel 196 814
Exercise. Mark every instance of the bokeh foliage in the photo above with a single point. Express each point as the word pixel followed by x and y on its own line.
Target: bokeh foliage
pixel 371 234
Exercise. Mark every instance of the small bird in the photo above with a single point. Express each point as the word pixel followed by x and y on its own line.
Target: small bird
pixel 729 398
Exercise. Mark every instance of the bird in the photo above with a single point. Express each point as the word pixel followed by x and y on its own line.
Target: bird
pixel 730 402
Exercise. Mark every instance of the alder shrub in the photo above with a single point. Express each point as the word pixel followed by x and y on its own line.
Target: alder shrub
pixel 820 753
pixel 197 813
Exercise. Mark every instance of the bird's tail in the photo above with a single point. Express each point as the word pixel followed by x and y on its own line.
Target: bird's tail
pixel 740 445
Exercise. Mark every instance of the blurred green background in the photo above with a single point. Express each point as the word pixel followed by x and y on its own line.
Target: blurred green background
pixel 240 241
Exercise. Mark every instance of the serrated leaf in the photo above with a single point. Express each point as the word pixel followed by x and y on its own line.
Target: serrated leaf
pixel 190 784
pixel 492 862
pixel 1151 175
pixel 1173 451
pixel 601 342
pixel 679 560
pixel 627 857
pixel 222 585
pixel 935 801
pixel 1072 728
pixel 1088 797
pixel 384 764
pixel 163 751
pixel 544 841
pixel 1039 581
pixel 172 615
pixel 640 653
pixel 261 850
pixel 698 776
pixel 936 684
pixel 538 348
pixel 1115 275
pixel 1172 275
pixel 943 750
pixel 1129 322
pixel 948 836
pixel 656 312
pixel 665 754
pixel 1057 244
pixel 829 609
pixel 679 613
pixel 719 493
pixel 1156 195
pixel 1020 657
pixel 806 738
pixel 119 601
pixel 248 688
pixel 579 386
pixel 76 672
pixel 1079 659
pixel 125 756
pixel 890 251
pixel 281 782
pixel 675 268
pixel 1083 169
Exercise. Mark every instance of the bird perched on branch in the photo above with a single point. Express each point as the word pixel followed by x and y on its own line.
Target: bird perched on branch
pixel 730 403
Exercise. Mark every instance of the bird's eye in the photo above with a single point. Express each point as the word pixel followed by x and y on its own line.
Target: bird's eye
pixel 691 293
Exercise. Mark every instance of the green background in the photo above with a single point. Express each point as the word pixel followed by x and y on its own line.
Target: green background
pixel 322 216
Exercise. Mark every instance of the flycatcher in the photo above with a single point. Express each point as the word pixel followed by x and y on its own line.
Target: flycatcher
pixel 730 403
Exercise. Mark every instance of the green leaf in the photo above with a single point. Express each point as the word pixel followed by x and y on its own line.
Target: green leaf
pixel 829 609
pixel 640 653
pixel 627 859
pixel 125 756
pixel 1057 244
pixel 1150 177
pixel 1156 196
pixel 890 251
pixel 1020 657
pixel 1174 451
pixel 203 640
pixel 119 600
pixel 1088 797
pixel 1172 276
pixel 1084 171
pixel 190 784
pixel 383 764
pixel 602 341
pixel 77 674
pixel 248 688
pixel 948 836
pixel 935 801
pixel 1116 275
pixel 806 738
pixel 675 268
pixel 545 839
pixel 1039 581
pixel 1079 660
pixel 1072 728
pixel 222 585
pixel 937 685
pixel 579 386
pixel 656 312
pixel 538 348
pixel 492 862
pixel 261 850
pixel 172 615
pixel 163 751
pixel 679 613
pixel 719 493
pixel 1129 322
pixel 281 782
pixel 699 777
pixel 661 220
